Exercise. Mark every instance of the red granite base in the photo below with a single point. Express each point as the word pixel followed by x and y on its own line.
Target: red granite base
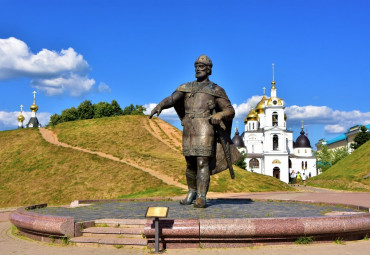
pixel 208 233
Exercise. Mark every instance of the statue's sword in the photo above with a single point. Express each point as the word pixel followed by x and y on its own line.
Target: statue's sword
pixel 226 147
pixel 221 130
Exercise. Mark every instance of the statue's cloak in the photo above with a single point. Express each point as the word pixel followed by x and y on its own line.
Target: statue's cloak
pixel 218 163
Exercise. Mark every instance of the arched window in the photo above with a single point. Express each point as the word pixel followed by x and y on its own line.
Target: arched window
pixel 253 125
pixel 274 119
pixel 254 163
pixel 275 142
pixel 305 165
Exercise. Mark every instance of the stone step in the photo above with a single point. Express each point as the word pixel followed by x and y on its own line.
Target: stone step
pixel 109 241
pixel 114 230
pixel 121 222
pixel 111 235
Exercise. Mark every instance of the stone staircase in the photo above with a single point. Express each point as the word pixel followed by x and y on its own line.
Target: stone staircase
pixel 113 232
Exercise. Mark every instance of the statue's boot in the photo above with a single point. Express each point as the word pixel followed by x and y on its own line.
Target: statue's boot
pixel 203 178
pixel 191 179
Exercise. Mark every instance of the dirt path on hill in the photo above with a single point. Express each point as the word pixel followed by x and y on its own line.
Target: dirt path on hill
pixel 164 133
pixel 50 137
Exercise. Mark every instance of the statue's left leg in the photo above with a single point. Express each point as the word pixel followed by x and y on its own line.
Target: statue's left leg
pixel 203 178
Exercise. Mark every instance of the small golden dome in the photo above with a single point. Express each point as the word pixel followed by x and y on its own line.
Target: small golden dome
pixel 274 101
pixel 20 118
pixel 260 107
pixel 252 115
pixel 34 108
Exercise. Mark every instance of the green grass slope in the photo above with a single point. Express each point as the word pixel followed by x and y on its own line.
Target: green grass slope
pixel 126 136
pixel 35 171
pixel 348 173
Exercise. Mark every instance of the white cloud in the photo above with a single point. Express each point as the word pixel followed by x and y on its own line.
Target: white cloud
pixel 334 129
pixel 103 87
pixel 8 120
pixel 335 121
pixel 71 83
pixel 243 109
pixel 50 71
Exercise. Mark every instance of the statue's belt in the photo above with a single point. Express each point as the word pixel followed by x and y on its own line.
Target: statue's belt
pixel 204 115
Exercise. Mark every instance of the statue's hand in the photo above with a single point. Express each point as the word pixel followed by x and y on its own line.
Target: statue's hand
pixel 216 118
pixel 157 110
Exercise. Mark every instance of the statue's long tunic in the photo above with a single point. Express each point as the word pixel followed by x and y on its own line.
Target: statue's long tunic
pixel 195 103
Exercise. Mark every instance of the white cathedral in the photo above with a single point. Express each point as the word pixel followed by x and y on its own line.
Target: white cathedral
pixel 269 146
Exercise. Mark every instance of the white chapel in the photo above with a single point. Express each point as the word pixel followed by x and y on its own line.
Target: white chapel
pixel 269 146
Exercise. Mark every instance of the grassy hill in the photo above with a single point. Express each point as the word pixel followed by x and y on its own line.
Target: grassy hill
pixel 348 173
pixel 35 171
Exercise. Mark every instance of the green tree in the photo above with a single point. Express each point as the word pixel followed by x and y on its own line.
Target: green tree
pixel 70 114
pixel 241 162
pixel 103 109
pixel 85 110
pixel 134 110
pixel 128 109
pixel 55 119
pixel 362 137
pixel 324 158
pixel 139 110
pixel 116 108
pixel 338 154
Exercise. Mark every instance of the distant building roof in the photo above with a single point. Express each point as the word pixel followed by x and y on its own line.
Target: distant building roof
pixel 302 141
pixel 337 139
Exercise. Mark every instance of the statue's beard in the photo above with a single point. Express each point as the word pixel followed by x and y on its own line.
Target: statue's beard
pixel 201 75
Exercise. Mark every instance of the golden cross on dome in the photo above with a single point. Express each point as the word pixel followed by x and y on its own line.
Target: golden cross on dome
pixel 302 124
pixel 21 108
pixel 273 71
pixel 264 89
pixel 34 97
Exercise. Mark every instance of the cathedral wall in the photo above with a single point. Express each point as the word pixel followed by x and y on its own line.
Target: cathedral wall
pixel 280 162
pixel 311 166
pixel 303 152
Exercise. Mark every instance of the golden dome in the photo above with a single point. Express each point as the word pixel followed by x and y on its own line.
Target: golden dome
pixel 20 118
pixel 260 107
pixel 34 108
pixel 252 115
pixel 274 101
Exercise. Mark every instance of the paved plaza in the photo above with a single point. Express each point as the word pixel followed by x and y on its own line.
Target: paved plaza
pixel 10 244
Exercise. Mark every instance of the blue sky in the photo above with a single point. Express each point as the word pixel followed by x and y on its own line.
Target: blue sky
pixel 139 51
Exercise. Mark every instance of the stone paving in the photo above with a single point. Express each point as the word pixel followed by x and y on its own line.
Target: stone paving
pixel 13 245
pixel 216 208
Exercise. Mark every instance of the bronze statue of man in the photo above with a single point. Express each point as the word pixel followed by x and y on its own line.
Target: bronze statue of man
pixel 201 106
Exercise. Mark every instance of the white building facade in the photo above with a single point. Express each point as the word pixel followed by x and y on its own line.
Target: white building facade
pixel 269 146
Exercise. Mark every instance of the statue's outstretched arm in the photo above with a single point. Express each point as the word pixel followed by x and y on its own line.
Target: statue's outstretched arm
pixel 166 103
